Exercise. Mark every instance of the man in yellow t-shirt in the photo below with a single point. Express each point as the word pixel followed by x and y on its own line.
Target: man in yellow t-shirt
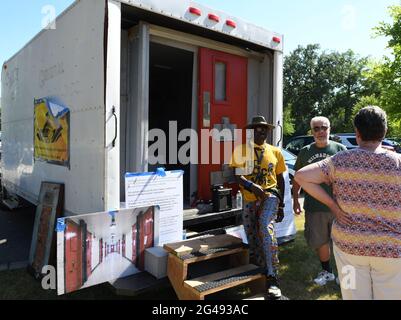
pixel 259 170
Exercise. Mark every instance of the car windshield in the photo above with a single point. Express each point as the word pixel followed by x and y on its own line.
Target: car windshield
pixel 288 155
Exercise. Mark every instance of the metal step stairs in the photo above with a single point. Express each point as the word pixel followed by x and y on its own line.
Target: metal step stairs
pixel 201 267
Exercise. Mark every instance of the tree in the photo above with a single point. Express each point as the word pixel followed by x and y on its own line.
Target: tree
pixel 288 125
pixel 305 84
pixel 328 84
pixel 388 72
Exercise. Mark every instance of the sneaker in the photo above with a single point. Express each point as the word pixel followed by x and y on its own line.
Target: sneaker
pixel 273 289
pixel 323 277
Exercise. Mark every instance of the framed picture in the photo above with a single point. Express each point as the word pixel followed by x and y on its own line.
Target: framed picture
pixel 49 209
pixel 103 246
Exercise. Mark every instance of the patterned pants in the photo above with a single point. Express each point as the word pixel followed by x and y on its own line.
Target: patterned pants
pixel 258 221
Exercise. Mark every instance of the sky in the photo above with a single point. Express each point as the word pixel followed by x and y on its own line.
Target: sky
pixel 334 24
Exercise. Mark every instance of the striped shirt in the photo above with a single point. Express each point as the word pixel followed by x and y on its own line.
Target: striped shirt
pixel 367 186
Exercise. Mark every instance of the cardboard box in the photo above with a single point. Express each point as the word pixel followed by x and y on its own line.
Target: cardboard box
pixel 156 262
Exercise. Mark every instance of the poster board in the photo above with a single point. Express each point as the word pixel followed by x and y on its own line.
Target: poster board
pixel 50 207
pixel 163 189
pixel 102 247
pixel 51 132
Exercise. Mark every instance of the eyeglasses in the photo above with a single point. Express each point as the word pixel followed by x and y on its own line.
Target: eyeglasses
pixel 321 128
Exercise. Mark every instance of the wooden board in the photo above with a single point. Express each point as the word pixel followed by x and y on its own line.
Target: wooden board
pixel 219 275
pixel 196 245
pixel 195 285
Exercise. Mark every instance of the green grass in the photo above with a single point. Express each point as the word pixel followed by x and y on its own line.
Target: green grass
pixel 299 265
pixel 19 285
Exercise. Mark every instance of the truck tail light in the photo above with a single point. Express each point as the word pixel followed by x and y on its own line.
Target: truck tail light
pixel 276 40
pixel 213 17
pixel 195 11
pixel 231 24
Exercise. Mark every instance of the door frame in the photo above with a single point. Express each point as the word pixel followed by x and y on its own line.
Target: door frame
pixel 136 151
pixel 193 176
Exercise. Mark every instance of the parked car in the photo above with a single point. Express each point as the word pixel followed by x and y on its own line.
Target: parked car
pixel 294 145
pixel 346 139
pixel 290 160
pixel 389 145
pixel 349 140
pixel 396 143
pixel 396 140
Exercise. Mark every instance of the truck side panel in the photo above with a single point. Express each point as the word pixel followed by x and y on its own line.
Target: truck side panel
pixel 112 156
pixel 66 63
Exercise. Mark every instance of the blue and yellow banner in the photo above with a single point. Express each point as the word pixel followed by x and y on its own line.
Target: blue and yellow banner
pixel 51 132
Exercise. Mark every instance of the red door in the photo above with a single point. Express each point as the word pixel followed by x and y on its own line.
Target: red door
pixel 73 257
pixel 134 233
pixel 41 244
pixel 145 235
pixel 222 105
pixel 88 254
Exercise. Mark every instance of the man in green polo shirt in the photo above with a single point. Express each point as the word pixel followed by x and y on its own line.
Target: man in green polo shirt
pixel 318 217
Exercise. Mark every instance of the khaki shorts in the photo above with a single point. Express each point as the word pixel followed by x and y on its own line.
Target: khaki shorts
pixel 318 228
pixel 368 278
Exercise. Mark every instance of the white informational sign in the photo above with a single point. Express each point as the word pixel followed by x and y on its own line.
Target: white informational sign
pixel 286 227
pixel 163 189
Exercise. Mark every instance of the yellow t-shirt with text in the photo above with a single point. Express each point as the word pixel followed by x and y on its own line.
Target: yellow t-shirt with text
pixel 259 164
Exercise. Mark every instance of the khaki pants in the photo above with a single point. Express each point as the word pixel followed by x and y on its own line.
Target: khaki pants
pixel 368 278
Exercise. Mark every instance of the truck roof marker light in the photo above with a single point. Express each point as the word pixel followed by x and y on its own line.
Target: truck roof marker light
pixel 213 17
pixel 231 24
pixel 276 40
pixel 195 11
pixel 5 67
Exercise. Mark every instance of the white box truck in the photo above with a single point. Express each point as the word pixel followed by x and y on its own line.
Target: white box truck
pixel 122 68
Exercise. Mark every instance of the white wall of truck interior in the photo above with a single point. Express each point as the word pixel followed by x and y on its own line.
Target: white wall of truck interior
pixel 67 63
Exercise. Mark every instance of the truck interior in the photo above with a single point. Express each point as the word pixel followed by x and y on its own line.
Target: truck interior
pixel 170 80
pixel 170 99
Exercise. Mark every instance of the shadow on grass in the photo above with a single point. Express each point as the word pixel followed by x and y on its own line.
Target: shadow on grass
pixel 299 265
pixel 19 285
